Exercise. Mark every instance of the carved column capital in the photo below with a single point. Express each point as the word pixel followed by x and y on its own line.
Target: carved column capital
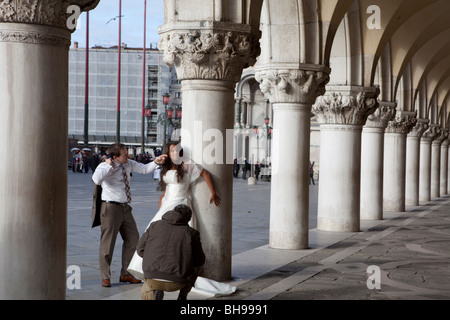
pixel 348 106
pixel 381 117
pixel 403 122
pixel 418 130
pixel 43 12
pixel 214 51
pixel 447 134
pixel 446 142
pixel 44 22
pixel 293 85
pixel 441 137
pixel 432 133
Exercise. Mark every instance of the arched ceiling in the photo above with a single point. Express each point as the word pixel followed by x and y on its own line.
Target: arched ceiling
pixel 300 31
pixel 413 38
pixel 423 43
pixel 411 44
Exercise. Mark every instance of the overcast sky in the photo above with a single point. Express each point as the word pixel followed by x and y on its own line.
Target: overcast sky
pixel 104 33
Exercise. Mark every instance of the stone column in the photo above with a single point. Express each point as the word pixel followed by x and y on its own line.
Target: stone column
pixel 448 170
pixel 444 168
pixel 436 164
pixel 425 162
pixel 413 162
pixel 34 45
pixel 395 160
pixel 342 115
pixel 292 93
pixel 444 165
pixel 209 57
pixel 249 115
pixel 237 113
pixel 372 161
pixel 245 114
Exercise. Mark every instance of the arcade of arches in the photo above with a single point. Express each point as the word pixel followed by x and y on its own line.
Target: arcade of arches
pixel 375 74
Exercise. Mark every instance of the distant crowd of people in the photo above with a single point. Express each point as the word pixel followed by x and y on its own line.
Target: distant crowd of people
pixel 85 161
pixel 245 168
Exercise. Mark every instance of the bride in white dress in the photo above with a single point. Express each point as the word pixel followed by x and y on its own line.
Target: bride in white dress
pixel 176 179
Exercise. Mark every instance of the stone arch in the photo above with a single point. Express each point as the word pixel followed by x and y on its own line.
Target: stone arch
pixel 415 34
pixel 443 115
pixel 346 57
pixel 404 92
pixel 431 71
pixel 312 24
pixel 385 74
pixel 394 15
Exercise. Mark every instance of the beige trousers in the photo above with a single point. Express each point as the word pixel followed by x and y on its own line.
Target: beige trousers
pixel 150 285
pixel 114 219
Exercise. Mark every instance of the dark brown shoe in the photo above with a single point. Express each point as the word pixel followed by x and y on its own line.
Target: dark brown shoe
pixel 129 278
pixel 106 283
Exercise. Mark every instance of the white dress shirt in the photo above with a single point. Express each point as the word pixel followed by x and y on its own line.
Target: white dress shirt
pixel 111 178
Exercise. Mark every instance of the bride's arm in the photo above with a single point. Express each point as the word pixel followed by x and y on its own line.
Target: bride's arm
pixel 214 197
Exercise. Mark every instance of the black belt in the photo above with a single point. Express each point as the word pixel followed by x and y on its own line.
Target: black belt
pixel 123 204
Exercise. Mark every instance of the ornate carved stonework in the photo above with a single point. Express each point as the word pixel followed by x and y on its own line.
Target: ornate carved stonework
pixel 432 133
pixel 294 86
pixel 381 117
pixel 209 53
pixel 44 12
pixel 441 137
pixel 347 109
pixel 419 129
pixel 33 37
pixel 403 122
pixel 447 134
pixel 52 13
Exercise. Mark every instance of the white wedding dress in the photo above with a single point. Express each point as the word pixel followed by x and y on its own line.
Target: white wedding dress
pixel 178 193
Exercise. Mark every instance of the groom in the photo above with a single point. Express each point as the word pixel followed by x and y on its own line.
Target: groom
pixel 114 175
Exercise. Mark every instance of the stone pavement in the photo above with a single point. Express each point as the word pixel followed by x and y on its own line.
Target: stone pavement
pixel 409 252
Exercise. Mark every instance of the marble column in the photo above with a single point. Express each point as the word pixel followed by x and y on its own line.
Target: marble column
pixel 448 166
pixel 436 165
pixel 342 115
pixel 444 165
pixel 292 93
pixel 34 45
pixel 413 162
pixel 209 58
pixel 372 152
pixel 425 162
pixel 237 113
pixel 395 160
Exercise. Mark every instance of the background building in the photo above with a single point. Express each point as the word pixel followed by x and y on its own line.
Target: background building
pixel 103 67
